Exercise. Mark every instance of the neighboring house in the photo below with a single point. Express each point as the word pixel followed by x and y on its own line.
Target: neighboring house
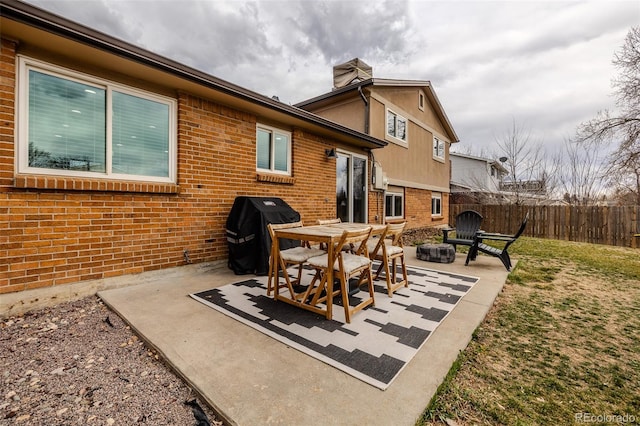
pixel 476 179
pixel 118 161
pixel 410 176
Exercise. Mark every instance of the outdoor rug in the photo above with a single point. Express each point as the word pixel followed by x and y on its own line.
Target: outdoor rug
pixel 379 341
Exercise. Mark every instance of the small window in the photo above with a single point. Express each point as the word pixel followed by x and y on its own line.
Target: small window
pixel 421 101
pixel 436 204
pixel 438 148
pixel 394 205
pixel 76 125
pixel 273 150
pixel 396 126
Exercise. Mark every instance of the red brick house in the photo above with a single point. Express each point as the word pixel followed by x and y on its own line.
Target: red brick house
pixel 115 160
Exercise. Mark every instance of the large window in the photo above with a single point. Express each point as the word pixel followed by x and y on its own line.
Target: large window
pixel 396 126
pixel 438 148
pixel 77 125
pixel 273 150
pixel 394 205
pixel 436 204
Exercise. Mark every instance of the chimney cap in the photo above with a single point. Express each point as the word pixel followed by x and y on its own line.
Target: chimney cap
pixel 351 71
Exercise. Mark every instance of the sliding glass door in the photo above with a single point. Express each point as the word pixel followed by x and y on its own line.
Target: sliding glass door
pixel 351 187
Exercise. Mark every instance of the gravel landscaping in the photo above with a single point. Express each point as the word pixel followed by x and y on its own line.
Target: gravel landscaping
pixel 78 363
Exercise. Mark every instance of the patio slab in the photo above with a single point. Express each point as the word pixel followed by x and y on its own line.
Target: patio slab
pixel 249 378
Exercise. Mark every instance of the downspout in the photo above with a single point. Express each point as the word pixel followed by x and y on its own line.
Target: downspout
pixel 379 218
pixel 366 110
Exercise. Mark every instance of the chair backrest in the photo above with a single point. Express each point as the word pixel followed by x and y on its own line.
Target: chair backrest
pixel 522 226
pixel 468 223
pixel 517 234
pixel 395 231
pixel 328 221
pixel 379 239
pixel 357 238
pixel 272 226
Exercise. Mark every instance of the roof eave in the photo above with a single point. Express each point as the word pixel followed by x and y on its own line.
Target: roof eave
pixel 44 20
pixel 393 83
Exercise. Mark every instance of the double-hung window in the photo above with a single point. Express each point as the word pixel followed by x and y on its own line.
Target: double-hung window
pixel 436 204
pixel 396 126
pixel 394 205
pixel 438 148
pixel 77 125
pixel 273 150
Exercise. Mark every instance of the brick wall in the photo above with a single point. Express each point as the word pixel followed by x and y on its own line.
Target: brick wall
pixel 7 108
pixel 55 231
pixel 418 209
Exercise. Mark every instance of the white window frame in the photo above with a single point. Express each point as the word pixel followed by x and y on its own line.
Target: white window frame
pixel 421 100
pixel 274 131
pixel 25 64
pixel 436 204
pixel 394 196
pixel 439 149
pixel 397 119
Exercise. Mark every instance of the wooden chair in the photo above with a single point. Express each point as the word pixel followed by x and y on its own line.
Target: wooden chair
pixel 468 223
pixel 292 256
pixel 347 247
pixel 500 253
pixel 346 265
pixel 328 221
pixel 388 250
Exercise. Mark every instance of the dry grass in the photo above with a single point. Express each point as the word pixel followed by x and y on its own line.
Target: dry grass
pixel 563 339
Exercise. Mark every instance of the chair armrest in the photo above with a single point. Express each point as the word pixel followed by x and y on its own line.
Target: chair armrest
pixel 493 236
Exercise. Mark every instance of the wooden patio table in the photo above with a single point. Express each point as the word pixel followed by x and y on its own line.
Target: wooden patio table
pixel 327 234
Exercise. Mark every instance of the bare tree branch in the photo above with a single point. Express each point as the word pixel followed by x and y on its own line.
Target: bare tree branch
pixel 622 128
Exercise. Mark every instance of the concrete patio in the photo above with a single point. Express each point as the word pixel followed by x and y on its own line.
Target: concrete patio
pixel 250 379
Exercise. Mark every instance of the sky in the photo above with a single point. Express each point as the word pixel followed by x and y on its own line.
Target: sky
pixel 545 66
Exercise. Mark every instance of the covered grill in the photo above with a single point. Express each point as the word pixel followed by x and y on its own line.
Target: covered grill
pixel 247 234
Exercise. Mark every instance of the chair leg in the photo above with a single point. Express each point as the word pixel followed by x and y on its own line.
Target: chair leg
pixel 283 265
pixel 269 281
pixel 390 278
pixel 377 274
pixel 349 310
pixel 470 256
pixel 404 271
pixel 371 289
pixel 393 284
pixel 506 261
pixel 344 288
pixel 316 295
pixel 299 278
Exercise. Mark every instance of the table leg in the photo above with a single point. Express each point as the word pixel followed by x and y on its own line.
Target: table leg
pixel 330 262
pixel 276 268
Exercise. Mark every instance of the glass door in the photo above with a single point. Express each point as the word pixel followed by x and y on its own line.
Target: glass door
pixel 351 187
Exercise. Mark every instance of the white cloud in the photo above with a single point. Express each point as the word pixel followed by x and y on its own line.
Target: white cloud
pixel 545 64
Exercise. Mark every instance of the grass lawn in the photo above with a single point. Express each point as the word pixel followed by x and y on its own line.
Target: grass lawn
pixel 560 346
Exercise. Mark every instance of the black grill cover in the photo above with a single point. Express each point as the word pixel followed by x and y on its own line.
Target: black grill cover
pixel 247 234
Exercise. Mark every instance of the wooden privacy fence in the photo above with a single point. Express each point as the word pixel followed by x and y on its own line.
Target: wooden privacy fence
pixel 612 225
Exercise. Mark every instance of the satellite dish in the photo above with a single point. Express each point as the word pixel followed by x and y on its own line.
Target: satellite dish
pixel 503 159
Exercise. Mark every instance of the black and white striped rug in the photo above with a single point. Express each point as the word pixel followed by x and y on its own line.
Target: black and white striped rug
pixel 379 341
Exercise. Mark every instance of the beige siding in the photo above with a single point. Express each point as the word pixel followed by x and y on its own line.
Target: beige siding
pixel 349 113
